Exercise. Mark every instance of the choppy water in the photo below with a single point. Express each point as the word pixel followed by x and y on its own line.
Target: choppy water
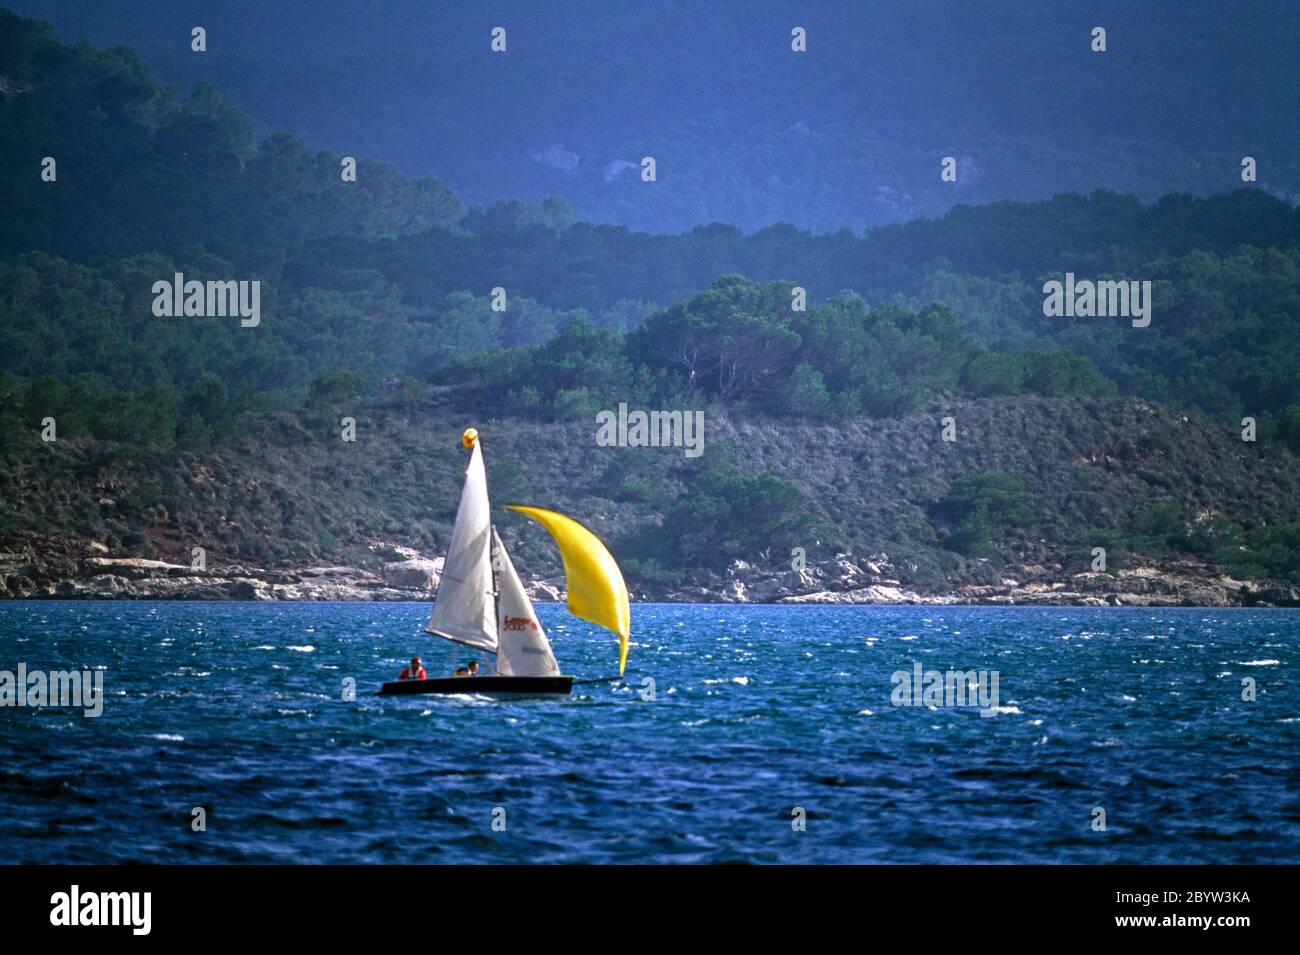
pixel 757 710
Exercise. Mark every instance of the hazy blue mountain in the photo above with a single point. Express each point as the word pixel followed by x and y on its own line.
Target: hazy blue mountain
pixel 849 134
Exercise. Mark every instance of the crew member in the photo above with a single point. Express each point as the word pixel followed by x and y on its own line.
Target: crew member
pixel 415 671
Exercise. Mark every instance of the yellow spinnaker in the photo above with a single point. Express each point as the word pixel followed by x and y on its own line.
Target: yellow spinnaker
pixel 594 582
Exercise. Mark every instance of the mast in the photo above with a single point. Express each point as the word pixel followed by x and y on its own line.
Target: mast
pixel 492 561
pixel 496 593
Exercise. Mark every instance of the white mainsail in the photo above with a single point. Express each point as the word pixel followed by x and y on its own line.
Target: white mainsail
pixel 522 649
pixel 463 610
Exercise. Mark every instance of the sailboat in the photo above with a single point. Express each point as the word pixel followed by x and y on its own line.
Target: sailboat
pixel 481 601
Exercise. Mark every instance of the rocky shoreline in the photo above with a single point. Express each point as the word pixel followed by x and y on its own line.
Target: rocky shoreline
pixel 45 568
pixel 874 580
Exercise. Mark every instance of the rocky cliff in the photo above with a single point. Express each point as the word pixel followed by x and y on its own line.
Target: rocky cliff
pixel 293 512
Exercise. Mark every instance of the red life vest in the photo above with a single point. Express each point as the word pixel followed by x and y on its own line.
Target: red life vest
pixel 419 674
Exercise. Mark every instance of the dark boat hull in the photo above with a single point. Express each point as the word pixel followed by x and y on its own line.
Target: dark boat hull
pixel 493 685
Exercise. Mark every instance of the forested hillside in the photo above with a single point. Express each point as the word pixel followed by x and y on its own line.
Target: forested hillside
pixel 383 291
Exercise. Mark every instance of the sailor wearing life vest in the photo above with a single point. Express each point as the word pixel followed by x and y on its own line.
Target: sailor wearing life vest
pixel 415 671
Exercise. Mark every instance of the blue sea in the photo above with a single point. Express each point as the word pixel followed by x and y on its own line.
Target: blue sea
pixel 757 734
